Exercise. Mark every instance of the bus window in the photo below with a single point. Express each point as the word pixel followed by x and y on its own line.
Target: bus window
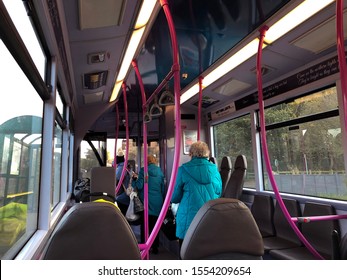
pixel 20 154
pixel 305 146
pixel 233 138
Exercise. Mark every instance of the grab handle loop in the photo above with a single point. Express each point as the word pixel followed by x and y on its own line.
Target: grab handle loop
pixel 166 98
pixel 155 110
pixel 147 117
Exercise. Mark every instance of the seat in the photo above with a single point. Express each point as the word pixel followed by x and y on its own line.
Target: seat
pixel 92 231
pixel 103 179
pixel 235 185
pixel 225 171
pixel 343 248
pixel 318 234
pixel 285 236
pixel 263 212
pixel 223 228
pixel 213 160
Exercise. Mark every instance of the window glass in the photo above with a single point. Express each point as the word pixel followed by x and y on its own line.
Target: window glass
pixel 319 102
pixel 88 159
pixel 308 158
pixel 20 153
pixel 58 134
pixel 59 104
pixel 23 25
pixel 234 138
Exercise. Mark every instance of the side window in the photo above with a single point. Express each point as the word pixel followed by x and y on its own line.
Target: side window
pixel 20 154
pixel 305 146
pixel 233 138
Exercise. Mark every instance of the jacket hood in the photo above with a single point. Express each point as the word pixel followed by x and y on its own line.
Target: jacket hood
pixel 200 169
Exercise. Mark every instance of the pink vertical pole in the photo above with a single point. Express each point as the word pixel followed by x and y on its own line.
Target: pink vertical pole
pixel 145 159
pixel 341 56
pixel 266 152
pixel 199 106
pixel 127 137
pixel 175 68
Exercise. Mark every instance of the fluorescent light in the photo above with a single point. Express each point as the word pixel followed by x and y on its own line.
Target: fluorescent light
pixel 115 91
pixel 232 62
pixel 295 17
pixel 189 93
pixel 140 26
pixel 145 13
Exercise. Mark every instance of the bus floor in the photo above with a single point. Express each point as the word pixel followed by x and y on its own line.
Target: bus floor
pixel 168 250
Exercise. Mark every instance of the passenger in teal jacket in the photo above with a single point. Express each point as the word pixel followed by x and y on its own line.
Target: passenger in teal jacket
pixel 197 182
pixel 156 194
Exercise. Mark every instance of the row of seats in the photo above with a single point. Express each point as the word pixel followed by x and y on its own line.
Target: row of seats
pixel 233 178
pixel 223 228
pixel 280 240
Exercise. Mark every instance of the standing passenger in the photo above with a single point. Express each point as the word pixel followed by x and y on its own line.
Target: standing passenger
pixel 156 193
pixel 197 182
pixel 122 198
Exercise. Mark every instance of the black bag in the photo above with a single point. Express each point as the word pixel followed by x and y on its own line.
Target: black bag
pixel 138 205
pixel 169 225
pixel 81 189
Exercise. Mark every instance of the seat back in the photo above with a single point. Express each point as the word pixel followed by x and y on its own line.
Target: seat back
pixel 282 226
pixel 103 179
pixel 319 233
pixel 223 228
pixel 213 160
pixel 92 231
pixel 235 185
pixel 263 212
pixel 343 247
pixel 225 171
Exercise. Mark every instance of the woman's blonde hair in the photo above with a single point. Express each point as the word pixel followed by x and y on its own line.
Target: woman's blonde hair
pixel 199 149
pixel 151 159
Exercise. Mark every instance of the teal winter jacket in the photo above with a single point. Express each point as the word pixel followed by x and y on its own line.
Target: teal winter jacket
pixel 155 188
pixel 197 182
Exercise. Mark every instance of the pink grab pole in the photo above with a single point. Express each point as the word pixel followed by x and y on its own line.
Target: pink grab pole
pixel 145 160
pixel 127 138
pixel 175 68
pixel 266 152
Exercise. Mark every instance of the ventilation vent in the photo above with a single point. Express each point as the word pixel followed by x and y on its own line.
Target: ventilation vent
pixel 264 70
pixel 95 80
pixel 231 87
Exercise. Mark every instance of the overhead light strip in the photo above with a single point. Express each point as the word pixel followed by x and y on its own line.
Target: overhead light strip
pixel 294 18
pixel 133 45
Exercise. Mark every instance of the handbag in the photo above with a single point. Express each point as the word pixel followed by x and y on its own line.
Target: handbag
pixel 130 215
pixel 169 225
pixel 138 205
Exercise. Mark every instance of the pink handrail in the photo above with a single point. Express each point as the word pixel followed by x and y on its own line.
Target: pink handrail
pixel 145 160
pixel 127 137
pixel 175 67
pixel 318 218
pixel 159 87
pixel 341 56
pixel 266 152
pixel 199 106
